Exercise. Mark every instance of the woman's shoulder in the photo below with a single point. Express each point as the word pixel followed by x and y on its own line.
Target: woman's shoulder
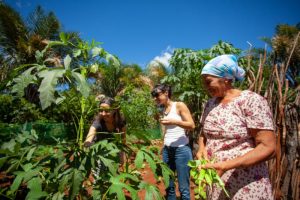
pixel 250 95
pixel 180 105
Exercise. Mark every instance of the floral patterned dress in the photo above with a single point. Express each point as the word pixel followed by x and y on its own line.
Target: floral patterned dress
pixel 226 128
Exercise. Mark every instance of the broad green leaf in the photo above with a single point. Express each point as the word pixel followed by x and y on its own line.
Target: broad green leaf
pixel 139 159
pixel 127 176
pixel 67 62
pixel 39 55
pixel 63 37
pixel 82 85
pixel 35 195
pixel 109 164
pixel 17 182
pixel 27 167
pixel 29 154
pixel 208 179
pixel 63 183
pixel 47 87
pixel 96 194
pixel 58 196
pixel 76 53
pixel 2 161
pixel 117 187
pixel 32 173
pixel 96 51
pixel 167 172
pixel 59 100
pixel 151 163
pixel 152 192
pixel 94 68
pixel 76 182
pixel 22 81
pixel 112 59
pixel 9 145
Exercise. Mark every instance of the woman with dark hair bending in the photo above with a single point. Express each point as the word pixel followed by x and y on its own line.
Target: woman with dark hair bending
pixel 176 152
pixel 107 121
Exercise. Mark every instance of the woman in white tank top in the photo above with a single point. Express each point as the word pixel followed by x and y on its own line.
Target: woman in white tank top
pixel 176 152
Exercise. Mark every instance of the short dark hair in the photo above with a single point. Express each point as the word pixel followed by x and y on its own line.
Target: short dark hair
pixel 161 88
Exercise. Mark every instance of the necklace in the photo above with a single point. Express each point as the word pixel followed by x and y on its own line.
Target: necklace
pixel 165 111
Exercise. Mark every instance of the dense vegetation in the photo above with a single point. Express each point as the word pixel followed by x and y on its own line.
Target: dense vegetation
pixel 53 77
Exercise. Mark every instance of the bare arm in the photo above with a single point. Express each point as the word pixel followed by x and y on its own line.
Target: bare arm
pixel 202 153
pixel 265 149
pixel 91 134
pixel 187 121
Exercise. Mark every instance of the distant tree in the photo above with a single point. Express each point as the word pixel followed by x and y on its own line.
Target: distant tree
pixel 20 39
pixel 156 71
pixel 282 44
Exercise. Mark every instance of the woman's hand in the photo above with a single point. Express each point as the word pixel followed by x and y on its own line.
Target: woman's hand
pixel 219 167
pixel 166 121
pixel 202 154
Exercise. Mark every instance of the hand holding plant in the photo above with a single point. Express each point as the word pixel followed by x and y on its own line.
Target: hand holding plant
pixel 204 177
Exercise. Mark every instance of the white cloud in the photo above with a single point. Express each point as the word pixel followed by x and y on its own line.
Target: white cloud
pixel 165 56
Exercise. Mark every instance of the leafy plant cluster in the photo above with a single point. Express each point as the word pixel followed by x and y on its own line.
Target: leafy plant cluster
pixel 204 178
pixel 63 170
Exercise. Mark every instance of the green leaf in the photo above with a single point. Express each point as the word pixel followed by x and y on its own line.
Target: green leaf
pixel 27 167
pixel 47 87
pixel 167 172
pixel 118 185
pixel 35 186
pixel 76 182
pixel 9 145
pixel 22 81
pixel 94 68
pixel 96 51
pixel 2 161
pixel 151 163
pixel 76 53
pixel 112 59
pixel 139 159
pixel 67 62
pixel 82 85
pixel 96 194
pixel 29 154
pixel 109 164
pixel 208 180
pixel 39 55
pixel 17 182
pixel 63 37
pixel 152 192
pixel 63 183
pixel 58 196
pixel 35 195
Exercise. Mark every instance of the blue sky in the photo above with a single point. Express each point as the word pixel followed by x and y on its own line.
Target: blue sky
pixel 137 31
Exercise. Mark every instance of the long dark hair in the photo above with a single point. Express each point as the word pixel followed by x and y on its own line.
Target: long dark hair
pixel 118 121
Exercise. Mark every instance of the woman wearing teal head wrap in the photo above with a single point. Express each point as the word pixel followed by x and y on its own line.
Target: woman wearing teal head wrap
pixel 238 131
pixel 224 66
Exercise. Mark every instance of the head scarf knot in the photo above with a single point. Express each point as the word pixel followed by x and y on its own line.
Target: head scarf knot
pixel 224 66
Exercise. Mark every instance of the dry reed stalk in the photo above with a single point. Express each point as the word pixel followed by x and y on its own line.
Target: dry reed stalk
pixel 257 78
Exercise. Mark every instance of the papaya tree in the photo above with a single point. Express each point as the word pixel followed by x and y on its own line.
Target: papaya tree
pixel 73 71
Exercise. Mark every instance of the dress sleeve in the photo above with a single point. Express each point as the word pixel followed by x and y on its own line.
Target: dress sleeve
pixel 257 113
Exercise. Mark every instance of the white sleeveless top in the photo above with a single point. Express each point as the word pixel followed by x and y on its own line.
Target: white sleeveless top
pixel 175 135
